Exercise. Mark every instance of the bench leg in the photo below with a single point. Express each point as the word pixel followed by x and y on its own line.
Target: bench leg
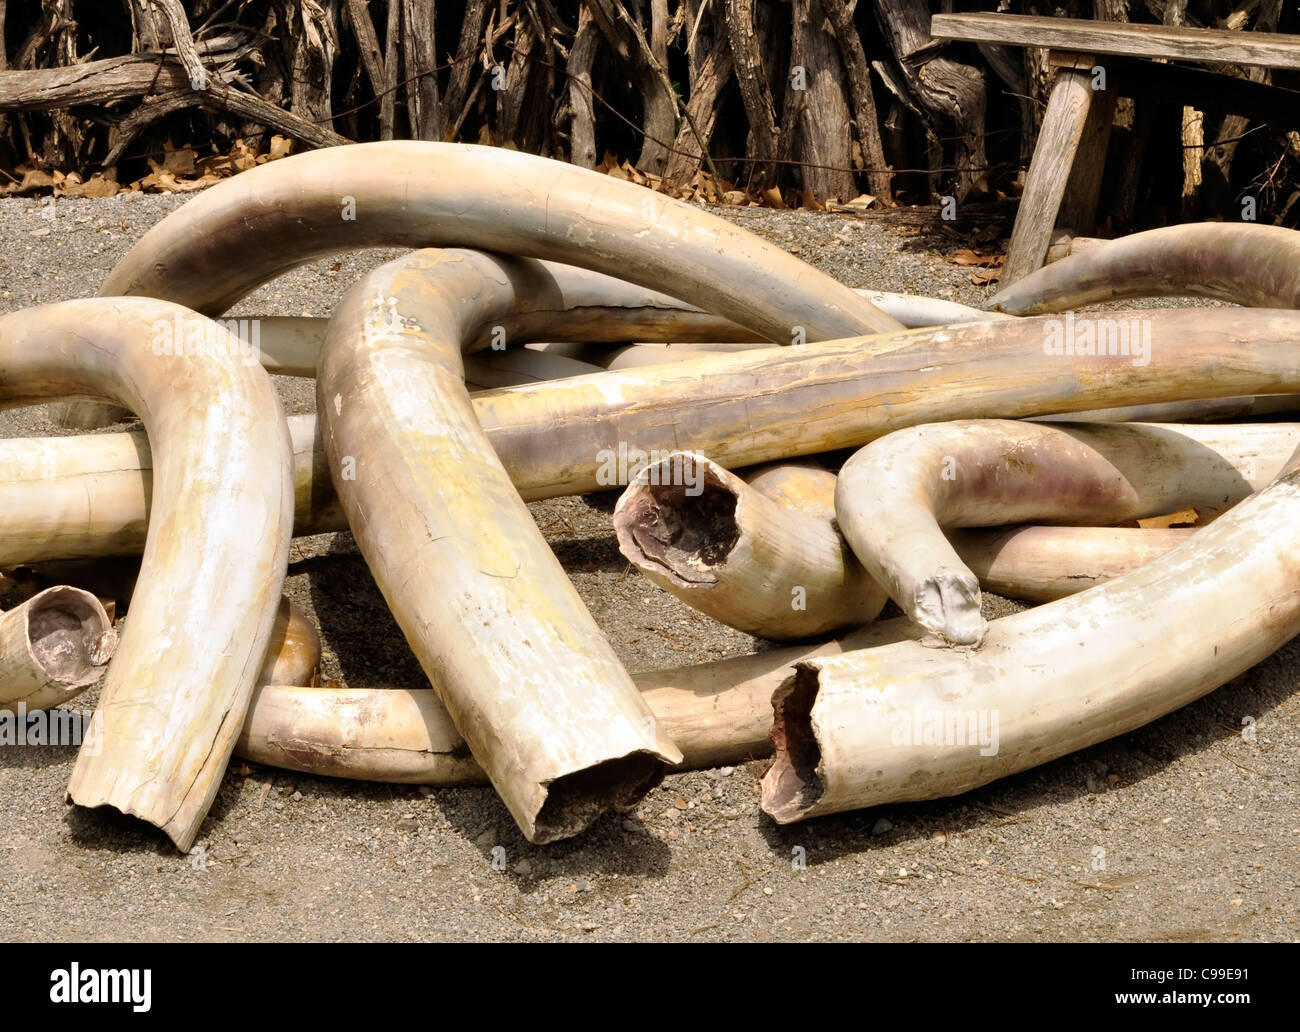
pixel 1058 142
pixel 1079 205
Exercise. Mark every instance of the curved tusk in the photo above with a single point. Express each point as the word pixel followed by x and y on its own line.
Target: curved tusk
pixel 906 722
pixel 741 556
pixel 52 648
pixel 1246 264
pixel 1042 564
pixel 762 554
pixel 718 713
pixel 178 687
pixel 293 653
pixel 531 682
pixel 236 236
pixel 896 494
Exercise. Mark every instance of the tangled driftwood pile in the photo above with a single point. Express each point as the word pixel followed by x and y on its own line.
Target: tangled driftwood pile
pixel 949 492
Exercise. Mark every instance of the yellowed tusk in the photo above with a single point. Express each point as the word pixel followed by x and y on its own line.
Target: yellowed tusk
pixel 52 648
pixel 215 553
pixel 895 496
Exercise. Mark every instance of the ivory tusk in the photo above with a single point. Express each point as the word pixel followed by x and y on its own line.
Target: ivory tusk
pixel 87 497
pixel 581 314
pixel 915 310
pixel 175 695
pixel 232 238
pixel 799 401
pixel 718 712
pixel 761 554
pixel 52 648
pixel 894 496
pixel 1042 564
pixel 237 235
pixel 1207 411
pixel 293 653
pixel 740 556
pixel 906 722
pixel 532 684
pixel 824 396
pixel 1246 264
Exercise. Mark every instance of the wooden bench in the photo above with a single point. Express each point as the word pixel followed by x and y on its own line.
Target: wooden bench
pixel 1064 178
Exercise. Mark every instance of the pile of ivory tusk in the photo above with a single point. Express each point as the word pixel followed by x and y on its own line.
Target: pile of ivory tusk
pixel 549 317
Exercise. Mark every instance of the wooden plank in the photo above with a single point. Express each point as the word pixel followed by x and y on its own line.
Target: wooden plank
pixel 1176 43
pixel 1058 142
pixel 1083 188
pixel 1208 91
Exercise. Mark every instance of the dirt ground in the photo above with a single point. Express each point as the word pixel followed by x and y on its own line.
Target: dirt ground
pixel 1183 830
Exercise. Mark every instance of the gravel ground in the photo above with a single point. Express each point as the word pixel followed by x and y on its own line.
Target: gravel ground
pixel 1179 831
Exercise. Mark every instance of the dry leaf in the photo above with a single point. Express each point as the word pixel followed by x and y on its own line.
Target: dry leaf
pixel 980 277
pixel 965 256
pixel 1182 518
pixel 281 147
pixel 98 185
pixel 177 162
pixel 772 198
pixel 808 199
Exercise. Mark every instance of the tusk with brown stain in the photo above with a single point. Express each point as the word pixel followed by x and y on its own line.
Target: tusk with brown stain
pixel 52 648
pixel 819 397
pixel 762 554
pixel 905 722
pixel 718 713
pixel 293 653
pixel 1246 264
pixel 175 695
pixel 1042 564
pixel 531 682
pixel 581 314
pixel 895 495
pixel 802 401
pixel 1208 411
pixel 741 556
